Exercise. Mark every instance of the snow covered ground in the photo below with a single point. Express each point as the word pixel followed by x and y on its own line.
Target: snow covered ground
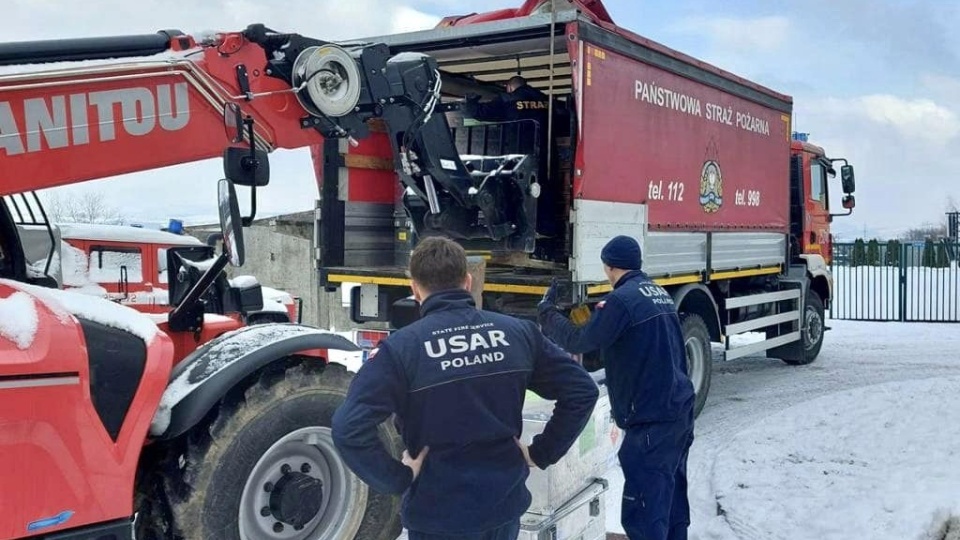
pixel 860 444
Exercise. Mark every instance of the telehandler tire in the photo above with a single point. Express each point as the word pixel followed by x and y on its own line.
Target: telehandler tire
pixel 264 467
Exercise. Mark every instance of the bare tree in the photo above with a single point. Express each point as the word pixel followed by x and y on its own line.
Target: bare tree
pixel 933 231
pixel 925 231
pixel 91 207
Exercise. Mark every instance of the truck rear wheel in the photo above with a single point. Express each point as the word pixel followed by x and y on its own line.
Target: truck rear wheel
pixel 696 341
pixel 266 468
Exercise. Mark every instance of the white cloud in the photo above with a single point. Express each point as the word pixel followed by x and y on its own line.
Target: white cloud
pixel 52 19
pixel 731 34
pixel 919 119
pixel 408 19
pixel 904 149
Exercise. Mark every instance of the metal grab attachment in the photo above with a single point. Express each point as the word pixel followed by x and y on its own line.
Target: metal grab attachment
pixel 344 88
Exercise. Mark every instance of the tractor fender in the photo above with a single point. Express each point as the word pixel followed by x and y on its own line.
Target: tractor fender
pixel 205 376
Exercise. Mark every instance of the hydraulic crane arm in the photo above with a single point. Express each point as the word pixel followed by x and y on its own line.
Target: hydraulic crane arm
pixel 109 110
pixel 94 117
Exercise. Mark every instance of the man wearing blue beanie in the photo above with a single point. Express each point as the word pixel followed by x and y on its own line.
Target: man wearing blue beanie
pixel 637 330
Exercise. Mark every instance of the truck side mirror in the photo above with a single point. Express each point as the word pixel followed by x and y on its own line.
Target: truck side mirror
pixel 246 167
pixel 231 228
pixel 847 179
pixel 849 202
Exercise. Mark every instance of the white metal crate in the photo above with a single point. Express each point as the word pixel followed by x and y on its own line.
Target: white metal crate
pixel 591 455
pixel 582 518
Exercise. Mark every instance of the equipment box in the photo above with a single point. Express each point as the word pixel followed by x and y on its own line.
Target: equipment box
pixel 591 455
pixel 581 518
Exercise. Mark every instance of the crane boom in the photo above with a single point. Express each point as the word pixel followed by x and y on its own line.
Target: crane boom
pixel 108 112
pixel 94 117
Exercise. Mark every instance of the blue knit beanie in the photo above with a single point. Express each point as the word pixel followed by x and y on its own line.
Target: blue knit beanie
pixel 622 252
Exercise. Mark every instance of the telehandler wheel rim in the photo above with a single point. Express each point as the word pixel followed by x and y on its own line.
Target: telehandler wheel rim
pixel 305 456
pixel 695 362
pixel 814 327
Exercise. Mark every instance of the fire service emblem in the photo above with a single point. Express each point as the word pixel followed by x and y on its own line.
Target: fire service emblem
pixel 711 180
pixel 711 187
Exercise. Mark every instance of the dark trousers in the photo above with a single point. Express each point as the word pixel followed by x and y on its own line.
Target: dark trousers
pixel 509 531
pixel 654 462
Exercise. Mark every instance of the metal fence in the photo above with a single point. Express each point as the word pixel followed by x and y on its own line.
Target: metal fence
pixel 894 281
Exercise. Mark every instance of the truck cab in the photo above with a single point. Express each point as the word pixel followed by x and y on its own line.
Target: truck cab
pixel 811 175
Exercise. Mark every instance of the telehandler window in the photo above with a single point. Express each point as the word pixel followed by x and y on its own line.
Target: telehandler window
pixel 106 264
pixel 162 276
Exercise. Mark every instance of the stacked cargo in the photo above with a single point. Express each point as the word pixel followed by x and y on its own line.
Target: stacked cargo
pixel 568 497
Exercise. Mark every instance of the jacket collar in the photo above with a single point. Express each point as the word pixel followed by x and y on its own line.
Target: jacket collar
pixel 628 276
pixel 446 300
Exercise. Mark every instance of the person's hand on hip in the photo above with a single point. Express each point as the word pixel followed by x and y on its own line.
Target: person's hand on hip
pixel 415 464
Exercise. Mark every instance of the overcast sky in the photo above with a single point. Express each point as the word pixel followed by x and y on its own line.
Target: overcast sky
pixel 876 81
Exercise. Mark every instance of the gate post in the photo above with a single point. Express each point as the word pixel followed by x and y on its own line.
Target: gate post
pixel 902 281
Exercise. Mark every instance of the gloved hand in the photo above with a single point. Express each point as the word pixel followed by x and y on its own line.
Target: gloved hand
pixel 549 300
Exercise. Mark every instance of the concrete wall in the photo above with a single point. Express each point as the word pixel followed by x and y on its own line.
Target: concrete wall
pixel 282 261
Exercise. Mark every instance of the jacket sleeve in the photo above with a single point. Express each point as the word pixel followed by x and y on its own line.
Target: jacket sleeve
pixel 557 377
pixel 609 319
pixel 495 110
pixel 377 391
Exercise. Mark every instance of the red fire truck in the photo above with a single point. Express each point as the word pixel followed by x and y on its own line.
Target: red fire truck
pixel 699 165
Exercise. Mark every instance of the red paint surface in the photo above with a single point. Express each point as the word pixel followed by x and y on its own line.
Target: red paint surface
pixel 592 8
pixel 56 454
pixel 634 150
pixel 203 136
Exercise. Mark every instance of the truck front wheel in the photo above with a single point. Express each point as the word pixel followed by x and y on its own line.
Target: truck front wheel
pixel 696 341
pixel 266 468
pixel 811 333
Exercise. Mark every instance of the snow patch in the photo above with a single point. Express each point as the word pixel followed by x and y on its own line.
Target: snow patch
pixel 75 265
pixel 221 353
pixel 275 301
pixel 202 266
pixel 876 462
pixel 164 57
pixel 242 282
pixel 122 233
pixel 19 319
pixel 68 303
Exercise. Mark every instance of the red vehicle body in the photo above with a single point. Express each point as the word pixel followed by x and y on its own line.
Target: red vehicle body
pixel 700 165
pixel 202 432
pixel 108 412
pixel 129 265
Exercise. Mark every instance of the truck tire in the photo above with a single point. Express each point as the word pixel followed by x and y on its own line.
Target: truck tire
pixel 696 340
pixel 244 472
pixel 811 335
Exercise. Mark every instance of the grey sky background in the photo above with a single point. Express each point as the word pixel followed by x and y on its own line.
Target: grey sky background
pixel 877 82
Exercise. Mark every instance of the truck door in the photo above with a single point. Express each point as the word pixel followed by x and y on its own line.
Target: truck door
pixel 816 234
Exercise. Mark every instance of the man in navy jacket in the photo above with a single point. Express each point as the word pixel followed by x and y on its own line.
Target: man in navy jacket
pixel 456 379
pixel 637 330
